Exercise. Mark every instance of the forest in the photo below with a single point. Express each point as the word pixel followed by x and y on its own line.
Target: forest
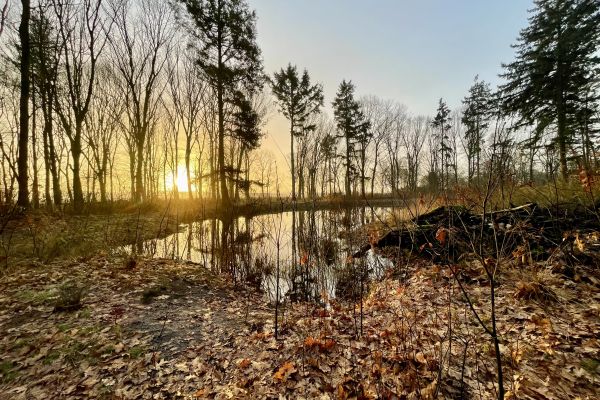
pixel 158 240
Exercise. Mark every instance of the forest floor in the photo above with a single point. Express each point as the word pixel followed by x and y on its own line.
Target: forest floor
pixel 158 329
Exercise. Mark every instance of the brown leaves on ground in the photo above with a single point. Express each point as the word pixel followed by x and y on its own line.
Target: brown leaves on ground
pixel 323 345
pixel 284 372
pixel 208 339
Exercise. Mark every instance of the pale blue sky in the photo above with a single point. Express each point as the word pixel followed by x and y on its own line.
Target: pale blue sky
pixel 412 51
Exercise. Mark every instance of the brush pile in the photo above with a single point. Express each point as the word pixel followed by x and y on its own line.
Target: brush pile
pixel 528 233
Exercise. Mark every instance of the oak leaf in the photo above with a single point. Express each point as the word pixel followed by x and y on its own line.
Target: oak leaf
pixel 441 235
pixel 284 371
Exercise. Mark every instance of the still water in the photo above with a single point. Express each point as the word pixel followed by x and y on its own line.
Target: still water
pixel 295 253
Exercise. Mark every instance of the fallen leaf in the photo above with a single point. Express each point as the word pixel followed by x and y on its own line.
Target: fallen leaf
pixel 284 372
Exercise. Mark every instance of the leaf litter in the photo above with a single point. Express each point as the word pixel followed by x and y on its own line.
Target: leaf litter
pixel 205 337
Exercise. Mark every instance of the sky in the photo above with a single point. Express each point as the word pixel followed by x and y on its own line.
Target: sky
pixel 410 51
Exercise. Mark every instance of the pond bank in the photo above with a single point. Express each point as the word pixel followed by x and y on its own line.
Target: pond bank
pixel 44 236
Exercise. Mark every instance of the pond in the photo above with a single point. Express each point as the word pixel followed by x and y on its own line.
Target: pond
pixel 299 254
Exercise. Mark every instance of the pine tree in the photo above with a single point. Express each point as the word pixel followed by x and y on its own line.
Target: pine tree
pixel 352 124
pixel 442 123
pixel 245 127
pixel 229 57
pixel 551 81
pixel 476 118
pixel 298 100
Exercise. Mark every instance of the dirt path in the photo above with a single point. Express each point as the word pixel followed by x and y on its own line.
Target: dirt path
pixel 130 321
pixel 191 316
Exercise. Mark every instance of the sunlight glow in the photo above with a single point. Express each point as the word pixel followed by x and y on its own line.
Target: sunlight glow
pixel 180 181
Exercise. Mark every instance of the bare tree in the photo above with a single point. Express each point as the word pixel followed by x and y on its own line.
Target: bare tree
pixel 103 126
pixel 45 60
pixel 83 31
pixel 187 91
pixel 382 114
pixel 413 140
pixel 139 52
pixel 393 144
pixel 8 139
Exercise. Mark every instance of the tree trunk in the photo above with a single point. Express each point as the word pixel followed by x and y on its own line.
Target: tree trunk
pixel 139 170
pixel 188 153
pixel 225 200
pixel 292 159
pixel 76 154
pixel 22 164
pixel 363 162
pixel 348 189
pixel 46 168
pixel 35 192
pixel 375 161
pixel 132 163
pixel 562 144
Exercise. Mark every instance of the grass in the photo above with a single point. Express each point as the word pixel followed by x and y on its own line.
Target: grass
pixel 38 297
pixel 76 351
pixel 591 365
pixel 85 313
pixel 7 371
pixel 70 296
pixel 136 352
pixel 51 357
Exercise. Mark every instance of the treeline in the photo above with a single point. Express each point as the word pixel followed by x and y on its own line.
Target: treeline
pixel 102 99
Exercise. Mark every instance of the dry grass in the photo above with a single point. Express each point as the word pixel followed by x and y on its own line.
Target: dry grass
pixel 536 287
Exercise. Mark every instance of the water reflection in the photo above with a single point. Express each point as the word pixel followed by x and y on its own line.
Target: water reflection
pixel 304 255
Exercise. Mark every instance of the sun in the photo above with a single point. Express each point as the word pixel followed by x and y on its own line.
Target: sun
pixel 181 181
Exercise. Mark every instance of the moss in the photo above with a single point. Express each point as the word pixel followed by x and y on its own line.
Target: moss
pixel 591 365
pixel 51 357
pixel 136 352
pixel 108 349
pixel 70 296
pixel 38 297
pixel 75 351
pixel 7 371
pixel 85 313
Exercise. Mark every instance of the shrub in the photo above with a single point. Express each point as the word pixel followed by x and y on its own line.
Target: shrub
pixel 70 296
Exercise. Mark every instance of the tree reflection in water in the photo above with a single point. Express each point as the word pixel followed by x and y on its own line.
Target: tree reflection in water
pixel 312 248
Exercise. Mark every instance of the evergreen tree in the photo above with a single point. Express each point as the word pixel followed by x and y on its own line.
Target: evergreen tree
pixel 442 123
pixel 229 57
pixel 476 118
pixel 551 83
pixel 298 100
pixel 352 124
pixel 245 127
